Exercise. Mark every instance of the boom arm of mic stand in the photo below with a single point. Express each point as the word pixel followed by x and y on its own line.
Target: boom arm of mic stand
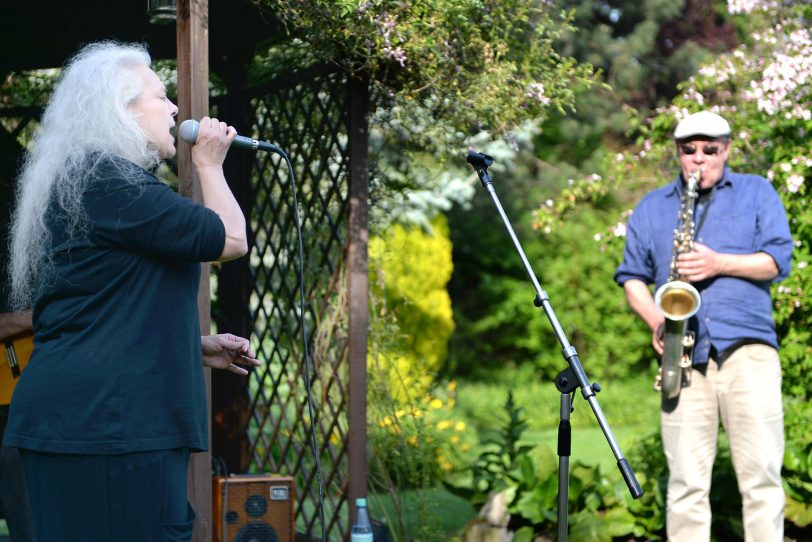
pixel 480 162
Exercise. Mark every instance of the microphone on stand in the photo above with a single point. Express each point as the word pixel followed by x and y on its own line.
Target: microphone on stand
pixel 189 128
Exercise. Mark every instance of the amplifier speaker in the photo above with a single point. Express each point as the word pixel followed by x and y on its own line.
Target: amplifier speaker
pixel 253 508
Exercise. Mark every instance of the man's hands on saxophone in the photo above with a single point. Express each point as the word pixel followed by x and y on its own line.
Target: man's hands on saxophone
pixel 699 264
pixel 705 263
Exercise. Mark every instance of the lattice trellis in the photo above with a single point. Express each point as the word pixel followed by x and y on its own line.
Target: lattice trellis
pixel 310 119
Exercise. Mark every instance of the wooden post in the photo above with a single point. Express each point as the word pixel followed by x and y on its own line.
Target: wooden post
pixel 358 290
pixel 193 102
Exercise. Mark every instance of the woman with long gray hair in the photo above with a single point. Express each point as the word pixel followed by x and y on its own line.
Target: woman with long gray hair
pixel 113 399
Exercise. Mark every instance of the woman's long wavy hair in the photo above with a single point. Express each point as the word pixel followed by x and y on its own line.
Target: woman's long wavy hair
pixel 87 120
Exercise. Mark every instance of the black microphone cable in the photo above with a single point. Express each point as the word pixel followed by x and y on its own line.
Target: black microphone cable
pixel 308 362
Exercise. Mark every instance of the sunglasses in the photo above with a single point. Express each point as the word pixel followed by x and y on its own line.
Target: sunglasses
pixel 709 150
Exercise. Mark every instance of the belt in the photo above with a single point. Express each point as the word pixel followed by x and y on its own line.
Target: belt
pixel 721 357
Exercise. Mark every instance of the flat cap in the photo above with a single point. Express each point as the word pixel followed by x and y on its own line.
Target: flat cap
pixel 703 123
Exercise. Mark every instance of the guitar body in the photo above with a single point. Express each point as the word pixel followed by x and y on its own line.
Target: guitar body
pixel 16 352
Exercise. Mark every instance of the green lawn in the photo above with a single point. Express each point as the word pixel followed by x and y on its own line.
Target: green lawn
pixel 446 512
pixel 590 446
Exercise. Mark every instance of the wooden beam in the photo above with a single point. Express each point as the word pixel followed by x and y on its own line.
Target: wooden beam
pixel 358 292
pixel 193 102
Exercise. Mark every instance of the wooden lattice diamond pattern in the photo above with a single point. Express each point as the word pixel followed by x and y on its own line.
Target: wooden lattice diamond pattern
pixel 309 119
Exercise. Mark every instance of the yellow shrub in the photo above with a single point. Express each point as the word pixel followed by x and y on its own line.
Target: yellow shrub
pixel 411 309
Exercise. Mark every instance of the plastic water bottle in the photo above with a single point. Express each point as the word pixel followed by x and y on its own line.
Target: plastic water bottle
pixel 362 528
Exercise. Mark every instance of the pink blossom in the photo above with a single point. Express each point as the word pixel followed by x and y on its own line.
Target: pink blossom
pixel 749 6
pixel 536 92
pixel 794 183
pixel 784 81
pixel 694 96
pixel 397 54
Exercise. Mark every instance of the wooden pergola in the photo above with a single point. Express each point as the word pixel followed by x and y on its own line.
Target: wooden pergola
pixel 251 415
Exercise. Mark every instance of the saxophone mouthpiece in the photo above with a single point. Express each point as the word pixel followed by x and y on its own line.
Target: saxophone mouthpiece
pixel 693 180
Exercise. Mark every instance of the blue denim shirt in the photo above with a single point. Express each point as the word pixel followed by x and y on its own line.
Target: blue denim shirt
pixel 744 216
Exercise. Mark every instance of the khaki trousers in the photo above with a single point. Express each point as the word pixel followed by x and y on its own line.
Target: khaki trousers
pixel 745 391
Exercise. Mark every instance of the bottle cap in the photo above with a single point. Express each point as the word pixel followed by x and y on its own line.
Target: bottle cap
pixel 361 502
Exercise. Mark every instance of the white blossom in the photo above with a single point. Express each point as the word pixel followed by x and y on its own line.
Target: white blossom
pixel 794 183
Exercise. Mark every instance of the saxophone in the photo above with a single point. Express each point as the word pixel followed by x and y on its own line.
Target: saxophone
pixel 678 300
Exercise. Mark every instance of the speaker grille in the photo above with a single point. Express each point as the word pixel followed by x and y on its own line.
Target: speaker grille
pixel 253 508
pixel 256 532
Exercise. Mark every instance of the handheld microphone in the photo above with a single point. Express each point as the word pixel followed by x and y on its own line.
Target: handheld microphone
pixel 189 128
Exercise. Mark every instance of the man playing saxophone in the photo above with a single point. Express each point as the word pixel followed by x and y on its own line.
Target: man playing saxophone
pixel 740 244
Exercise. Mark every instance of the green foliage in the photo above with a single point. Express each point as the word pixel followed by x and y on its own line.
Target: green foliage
pixel 640 46
pixel 591 308
pixel 27 88
pixel 645 456
pixel 403 457
pixel 439 70
pixel 797 470
pixel 643 49
pixel 573 269
pixel 529 479
pixel 465 62
pixel 22 89
pixel 647 459
pixel 414 438
pixel 497 322
pixel 411 449
pixel 500 455
pixel 403 446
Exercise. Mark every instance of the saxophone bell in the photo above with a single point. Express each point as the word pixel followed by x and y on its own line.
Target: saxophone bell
pixel 678 301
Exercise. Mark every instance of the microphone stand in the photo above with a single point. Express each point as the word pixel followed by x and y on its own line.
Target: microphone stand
pixel 566 381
